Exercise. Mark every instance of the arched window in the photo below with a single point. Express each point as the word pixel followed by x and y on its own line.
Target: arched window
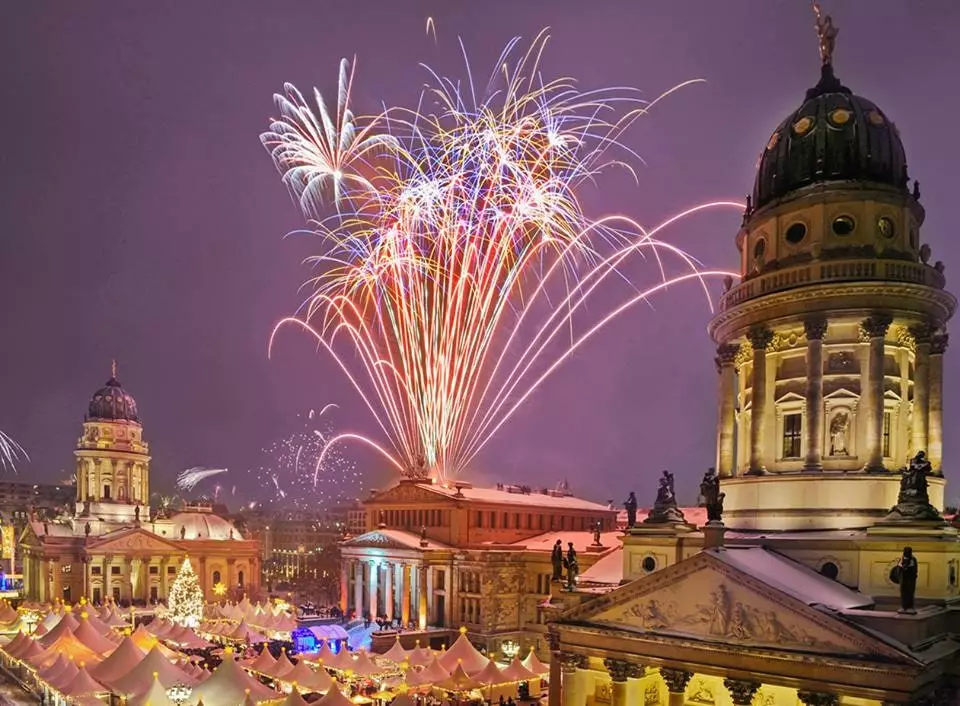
pixel 216 577
pixel 240 578
pixel 106 492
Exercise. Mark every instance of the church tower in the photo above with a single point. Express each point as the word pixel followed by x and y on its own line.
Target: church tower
pixel 113 465
pixel 830 348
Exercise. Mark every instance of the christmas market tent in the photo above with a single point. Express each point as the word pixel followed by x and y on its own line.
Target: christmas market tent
pixel 245 633
pixel 19 642
pixel 396 653
pixel 309 680
pixel 53 672
pixel 334 697
pixel 30 652
pixel 281 666
pixel 533 663
pixel 516 672
pixel 186 638
pixel 138 679
pixel 156 695
pixel 364 666
pixel 160 627
pixel 294 699
pixel 51 619
pixel 68 645
pixel 463 653
pixel 264 662
pixel 65 625
pixel 458 681
pixel 434 672
pixel 64 676
pixel 328 657
pixel 420 656
pixel 95 622
pixel 228 685
pixel 83 685
pixel 89 637
pixel 490 675
pixel 145 641
pixel 120 662
pixel 413 678
pixel 402 700
pixel 12 626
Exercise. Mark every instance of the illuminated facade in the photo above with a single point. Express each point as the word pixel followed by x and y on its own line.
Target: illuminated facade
pixel 830 361
pixel 112 547
pixel 446 556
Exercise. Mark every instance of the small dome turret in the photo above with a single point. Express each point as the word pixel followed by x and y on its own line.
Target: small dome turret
pixel 112 403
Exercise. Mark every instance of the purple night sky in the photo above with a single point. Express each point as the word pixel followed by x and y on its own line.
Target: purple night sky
pixel 140 218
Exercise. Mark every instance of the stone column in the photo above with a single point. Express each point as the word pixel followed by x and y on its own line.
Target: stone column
pixel 405 596
pixel 815 328
pixel 875 329
pixel 344 588
pixel 422 597
pixel 620 671
pixel 760 338
pixel 358 588
pixel 726 354
pixel 374 587
pixel 817 698
pixel 569 662
pixel 388 592
pixel 922 336
pixel 938 346
pixel 553 693
pixel 431 602
pixel 741 691
pixel 676 680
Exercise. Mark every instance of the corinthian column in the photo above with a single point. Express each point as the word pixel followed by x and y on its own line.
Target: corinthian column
pixel 741 691
pixel 676 680
pixel 620 671
pixel 760 338
pixel 388 591
pixel 358 588
pixel 815 328
pixel 922 335
pixel 374 590
pixel 875 328
pixel 938 345
pixel 726 354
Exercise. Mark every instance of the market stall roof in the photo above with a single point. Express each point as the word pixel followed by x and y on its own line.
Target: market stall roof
pixel 533 663
pixel 120 662
pixel 310 680
pixel 463 653
pixel 83 685
pixel 69 645
pixel 364 666
pixel 420 656
pixel 458 681
pixel 19 642
pixel 264 662
pixel 434 672
pixel 515 671
pixel 396 653
pixel 334 697
pixel 65 625
pixel 228 686
pixel 281 666
pixel 65 676
pixel 156 695
pixel 89 637
pixel 138 679
pixel 402 700
pixel 294 699
pixel 490 674
pixel 52 673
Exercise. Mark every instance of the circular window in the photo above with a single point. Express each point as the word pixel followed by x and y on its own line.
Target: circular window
pixel 649 564
pixel 795 233
pixel 843 225
pixel 759 249
pixel 886 227
pixel 830 570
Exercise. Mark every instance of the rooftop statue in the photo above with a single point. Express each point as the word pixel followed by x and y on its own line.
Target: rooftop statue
pixel 826 33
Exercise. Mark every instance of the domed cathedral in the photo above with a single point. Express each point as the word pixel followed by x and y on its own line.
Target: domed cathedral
pixel 113 465
pixel 829 459
pixel 830 349
pixel 114 547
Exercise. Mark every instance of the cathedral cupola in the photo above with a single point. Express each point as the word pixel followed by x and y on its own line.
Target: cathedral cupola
pixel 830 348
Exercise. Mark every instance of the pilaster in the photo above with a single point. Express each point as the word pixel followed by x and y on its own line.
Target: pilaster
pixel 760 338
pixel 922 336
pixel 726 355
pixel 875 330
pixel 938 346
pixel 815 329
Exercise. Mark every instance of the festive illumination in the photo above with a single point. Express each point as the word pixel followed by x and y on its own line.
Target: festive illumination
pixel 458 261
pixel 220 588
pixel 186 597
pixel 10 452
pixel 188 479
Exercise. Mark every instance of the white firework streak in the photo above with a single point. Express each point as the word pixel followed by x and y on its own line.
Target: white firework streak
pixel 10 452
pixel 189 478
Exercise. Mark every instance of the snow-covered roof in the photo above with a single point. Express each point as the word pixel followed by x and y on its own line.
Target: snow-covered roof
pixel 791 577
pixel 581 540
pixel 507 497
pixel 607 571
pixel 400 539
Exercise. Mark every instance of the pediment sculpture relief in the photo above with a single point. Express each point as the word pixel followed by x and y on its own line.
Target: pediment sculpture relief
pixel 726 613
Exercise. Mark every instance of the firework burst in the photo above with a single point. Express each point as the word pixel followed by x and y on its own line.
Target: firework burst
pixel 188 479
pixel 458 261
pixel 10 453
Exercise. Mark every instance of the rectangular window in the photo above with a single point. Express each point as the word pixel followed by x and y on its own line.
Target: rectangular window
pixel 887 419
pixel 791 435
pixel 96 595
pixel 96 570
pixel 154 570
pixel 114 570
pixel 154 595
pixel 479 519
pixel 171 570
pixel 116 594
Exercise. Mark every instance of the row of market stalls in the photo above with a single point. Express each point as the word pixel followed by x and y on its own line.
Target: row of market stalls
pixel 88 656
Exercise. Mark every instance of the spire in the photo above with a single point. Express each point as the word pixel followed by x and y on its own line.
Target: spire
pixel 113 368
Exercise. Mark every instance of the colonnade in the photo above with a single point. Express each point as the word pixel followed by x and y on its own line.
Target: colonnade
pixel 927 429
pixel 397 590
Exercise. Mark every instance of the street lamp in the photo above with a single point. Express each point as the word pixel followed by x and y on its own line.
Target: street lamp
pixel 179 693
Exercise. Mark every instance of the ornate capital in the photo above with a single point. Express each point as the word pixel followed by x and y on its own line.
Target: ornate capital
pixel 676 679
pixel 815 327
pixel 727 354
pixel 938 344
pixel 570 661
pixel 621 670
pixel 818 698
pixel 760 338
pixel 922 333
pixel 741 690
pixel 553 640
pixel 876 326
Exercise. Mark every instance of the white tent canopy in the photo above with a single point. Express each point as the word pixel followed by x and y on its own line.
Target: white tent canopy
pixel 229 685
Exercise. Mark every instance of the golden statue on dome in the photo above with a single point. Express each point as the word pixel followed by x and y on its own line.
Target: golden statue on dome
pixel 827 34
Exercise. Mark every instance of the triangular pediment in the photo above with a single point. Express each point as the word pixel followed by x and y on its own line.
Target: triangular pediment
pixel 704 598
pixel 406 492
pixel 389 539
pixel 842 394
pixel 790 397
pixel 132 540
pixel 29 538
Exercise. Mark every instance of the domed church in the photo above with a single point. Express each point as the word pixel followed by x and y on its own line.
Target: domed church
pixel 113 546
pixel 829 460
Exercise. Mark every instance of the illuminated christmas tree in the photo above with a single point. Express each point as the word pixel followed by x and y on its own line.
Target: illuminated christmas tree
pixel 186 597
